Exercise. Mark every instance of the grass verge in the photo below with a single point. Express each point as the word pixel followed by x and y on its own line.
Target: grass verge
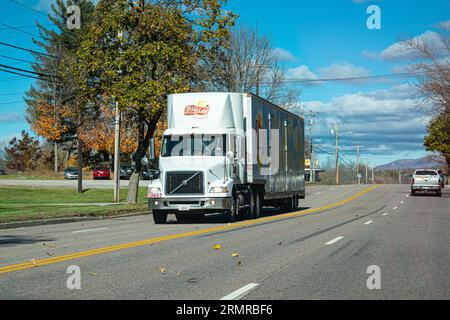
pixel 24 203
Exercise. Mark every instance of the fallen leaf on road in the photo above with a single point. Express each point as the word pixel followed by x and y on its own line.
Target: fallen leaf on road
pixel 162 270
pixel 217 247
pixel 192 280
pixel 49 245
pixel 93 273
pixel 50 254
pixel 239 263
pixel 234 254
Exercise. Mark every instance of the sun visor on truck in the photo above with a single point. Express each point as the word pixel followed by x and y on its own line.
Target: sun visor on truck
pixel 204 110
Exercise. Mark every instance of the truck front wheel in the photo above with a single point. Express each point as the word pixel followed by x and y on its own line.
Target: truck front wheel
pixel 159 216
pixel 232 213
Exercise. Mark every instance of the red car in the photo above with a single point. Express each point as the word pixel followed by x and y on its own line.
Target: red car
pixel 101 173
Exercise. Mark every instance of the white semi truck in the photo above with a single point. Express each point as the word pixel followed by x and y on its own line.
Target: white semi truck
pixel 229 153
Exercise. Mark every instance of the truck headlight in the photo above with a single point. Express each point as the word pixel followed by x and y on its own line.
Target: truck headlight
pixel 155 190
pixel 218 190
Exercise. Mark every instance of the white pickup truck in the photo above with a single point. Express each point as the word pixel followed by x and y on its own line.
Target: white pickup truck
pixel 426 180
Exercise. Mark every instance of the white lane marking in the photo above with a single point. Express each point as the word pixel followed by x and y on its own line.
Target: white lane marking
pixel 89 230
pixel 318 193
pixel 394 208
pixel 368 222
pixel 334 240
pixel 332 189
pixel 239 293
pixel 402 202
pixel 385 214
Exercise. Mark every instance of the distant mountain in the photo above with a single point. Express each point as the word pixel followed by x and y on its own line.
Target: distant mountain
pixel 432 161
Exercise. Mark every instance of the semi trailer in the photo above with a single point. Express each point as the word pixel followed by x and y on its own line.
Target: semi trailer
pixel 229 153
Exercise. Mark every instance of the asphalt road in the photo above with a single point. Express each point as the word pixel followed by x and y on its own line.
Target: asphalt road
pixel 322 251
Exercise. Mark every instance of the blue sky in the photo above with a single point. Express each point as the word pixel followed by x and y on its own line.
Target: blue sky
pixel 315 39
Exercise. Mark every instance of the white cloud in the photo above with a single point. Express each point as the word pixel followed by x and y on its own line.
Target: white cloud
pixel 343 70
pixel 385 122
pixel 284 55
pixel 44 5
pixel 303 72
pixel 10 117
pixel 401 51
pixel 444 25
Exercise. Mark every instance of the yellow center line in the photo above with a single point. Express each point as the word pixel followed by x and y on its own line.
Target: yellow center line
pixel 117 247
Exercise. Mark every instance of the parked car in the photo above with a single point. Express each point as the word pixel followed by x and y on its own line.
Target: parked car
pixel 442 178
pixel 426 180
pixel 71 173
pixel 148 174
pixel 125 171
pixel 101 173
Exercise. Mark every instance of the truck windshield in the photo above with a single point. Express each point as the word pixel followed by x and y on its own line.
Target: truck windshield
pixel 194 145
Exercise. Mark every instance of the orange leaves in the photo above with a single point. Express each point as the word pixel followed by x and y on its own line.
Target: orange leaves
pixel 98 133
pixel 51 121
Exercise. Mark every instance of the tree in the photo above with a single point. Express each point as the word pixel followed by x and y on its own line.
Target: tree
pixel 139 52
pixel 251 64
pixel 434 84
pixel 48 100
pixel 23 153
pixel 438 138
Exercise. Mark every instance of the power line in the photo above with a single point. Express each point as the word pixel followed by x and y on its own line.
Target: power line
pixel 28 71
pixel 17 59
pixel 29 27
pixel 11 102
pixel 346 79
pixel 28 50
pixel 24 75
pixel 10 94
pixel 17 29
pixel 28 7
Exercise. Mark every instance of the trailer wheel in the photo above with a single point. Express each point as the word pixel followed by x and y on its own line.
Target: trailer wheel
pixel 255 205
pixel 159 216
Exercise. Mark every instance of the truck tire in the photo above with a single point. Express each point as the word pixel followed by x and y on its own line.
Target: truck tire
pixel 413 193
pixel 159 216
pixel 232 213
pixel 255 205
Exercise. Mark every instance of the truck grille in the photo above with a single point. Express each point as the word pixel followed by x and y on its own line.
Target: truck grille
pixel 193 186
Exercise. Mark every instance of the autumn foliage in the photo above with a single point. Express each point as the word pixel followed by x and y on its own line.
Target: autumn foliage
pixel 52 122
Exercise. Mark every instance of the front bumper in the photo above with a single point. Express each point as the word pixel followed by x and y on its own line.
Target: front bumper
pixel 186 205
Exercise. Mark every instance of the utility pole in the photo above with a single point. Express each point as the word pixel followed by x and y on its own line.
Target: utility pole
pixel 373 176
pixel 117 154
pixel 80 162
pixel 399 176
pixel 357 165
pixel 336 130
pixel 54 112
pixel 367 165
pixel 312 176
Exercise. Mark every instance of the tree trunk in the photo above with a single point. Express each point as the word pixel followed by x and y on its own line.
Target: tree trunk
pixel 56 157
pixel 141 150
pixel 80 164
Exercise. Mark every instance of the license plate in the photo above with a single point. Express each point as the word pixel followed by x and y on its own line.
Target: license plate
pixel 184 208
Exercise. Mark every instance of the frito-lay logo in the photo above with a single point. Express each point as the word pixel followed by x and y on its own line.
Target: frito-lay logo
pixel 200 109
